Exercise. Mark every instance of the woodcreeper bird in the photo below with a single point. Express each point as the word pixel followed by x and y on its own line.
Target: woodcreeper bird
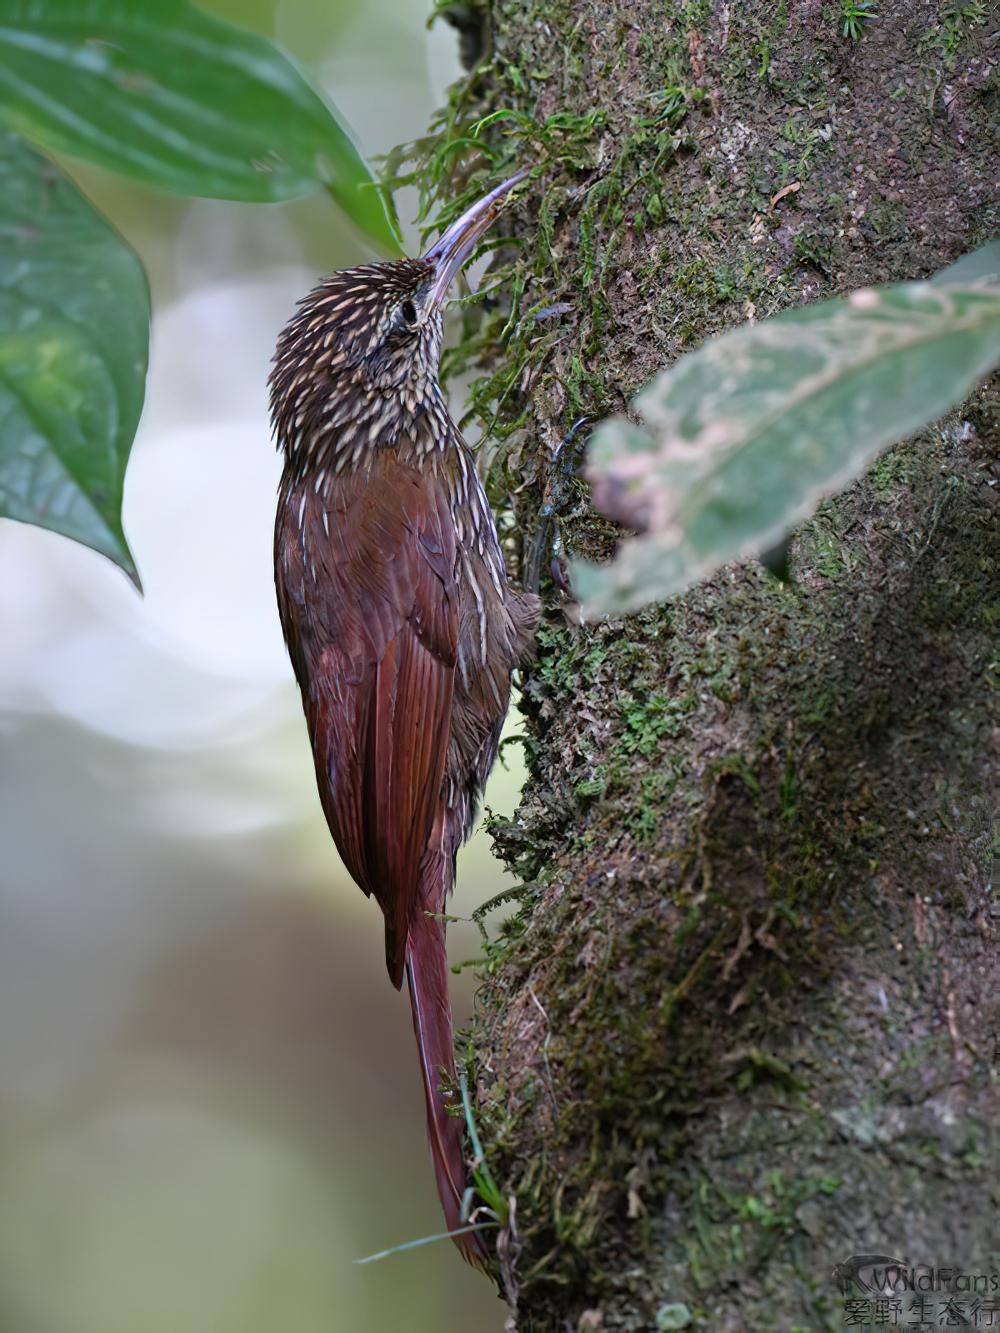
pixel 400 623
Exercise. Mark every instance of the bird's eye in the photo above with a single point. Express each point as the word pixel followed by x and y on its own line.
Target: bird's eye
pixel 409 312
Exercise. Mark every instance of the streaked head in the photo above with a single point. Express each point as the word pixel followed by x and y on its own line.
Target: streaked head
pixel 373 332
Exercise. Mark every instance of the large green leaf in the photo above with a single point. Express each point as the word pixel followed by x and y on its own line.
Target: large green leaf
pixel 74 336
pixel 158 90
pixel 741 438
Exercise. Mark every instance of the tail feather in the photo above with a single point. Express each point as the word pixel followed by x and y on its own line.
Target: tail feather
pixel 427 974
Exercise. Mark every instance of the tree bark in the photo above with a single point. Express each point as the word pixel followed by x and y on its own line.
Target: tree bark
pixel 744 1023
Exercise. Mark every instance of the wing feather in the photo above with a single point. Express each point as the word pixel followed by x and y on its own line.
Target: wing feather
pixel 370 616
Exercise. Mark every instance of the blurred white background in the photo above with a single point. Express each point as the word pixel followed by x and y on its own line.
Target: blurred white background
pixel 209 1101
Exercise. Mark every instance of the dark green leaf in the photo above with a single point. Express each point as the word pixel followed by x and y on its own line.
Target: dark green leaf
pixel 74 336
pixel 174 97
pixel 741 438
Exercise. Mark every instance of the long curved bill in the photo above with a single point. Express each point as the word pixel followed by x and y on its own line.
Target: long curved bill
pixel 450 251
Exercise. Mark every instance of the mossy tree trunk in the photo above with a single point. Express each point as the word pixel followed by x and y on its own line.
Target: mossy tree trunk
pixel 745 1022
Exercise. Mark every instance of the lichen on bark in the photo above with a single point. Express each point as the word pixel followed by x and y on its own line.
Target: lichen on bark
pixel 743 1022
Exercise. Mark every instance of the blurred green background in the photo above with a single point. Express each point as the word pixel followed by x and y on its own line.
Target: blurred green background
pixel 209 1099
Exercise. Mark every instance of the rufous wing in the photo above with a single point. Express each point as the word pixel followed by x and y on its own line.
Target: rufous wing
pixel 365 572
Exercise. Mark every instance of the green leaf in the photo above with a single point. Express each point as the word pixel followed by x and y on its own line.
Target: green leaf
pixel 743 437
pixel 972 270
pixel 74 338
pixel 181 100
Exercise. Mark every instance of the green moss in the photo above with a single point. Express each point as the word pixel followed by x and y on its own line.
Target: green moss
pixel 957 19
pixel 890 472
pixel 745 936
pixel 830 557
pixel 509 325
pixel 718 866
pixel 813 247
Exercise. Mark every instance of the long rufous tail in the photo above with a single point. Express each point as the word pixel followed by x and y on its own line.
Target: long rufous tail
pixel 427 975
